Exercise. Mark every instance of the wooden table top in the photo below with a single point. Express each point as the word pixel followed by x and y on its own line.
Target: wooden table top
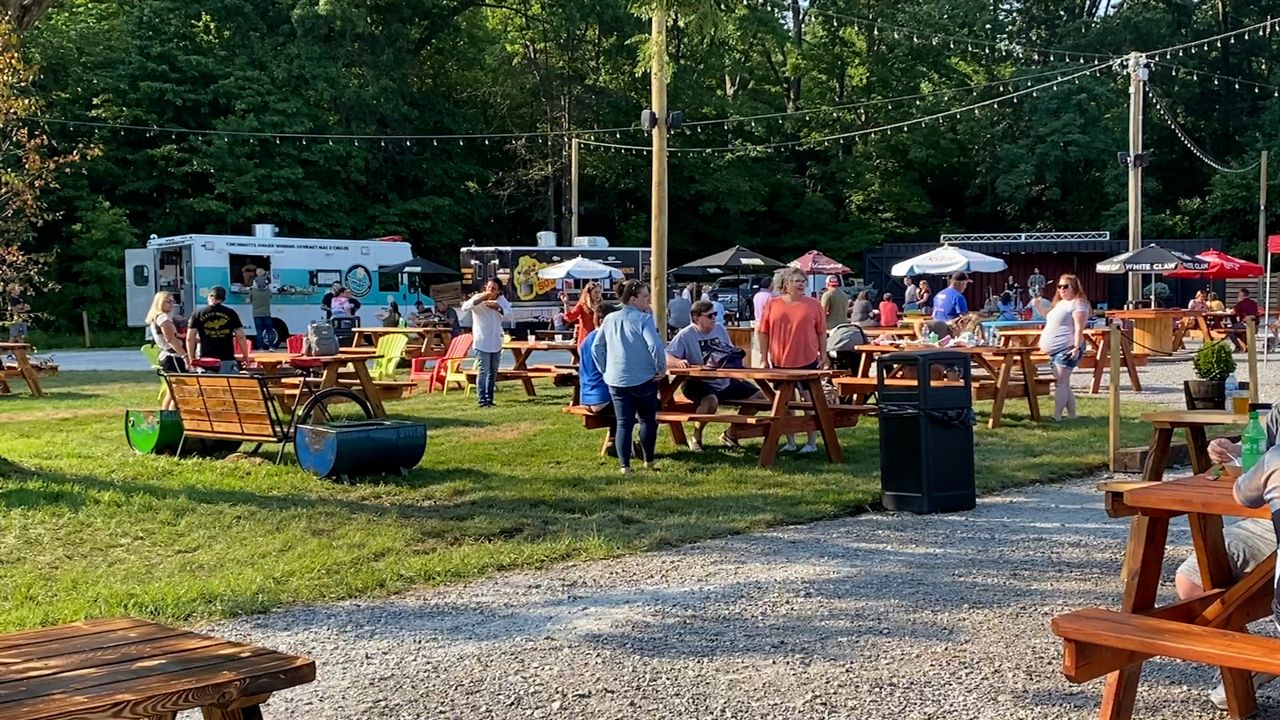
pixel 539 345
pixel 14 346
pixel 1145 314
pixel 399 330
pixel 1195 417
pixel 131 668
pixel 969 350
pixel 1196 494
pixel 774 374
pixel 282 358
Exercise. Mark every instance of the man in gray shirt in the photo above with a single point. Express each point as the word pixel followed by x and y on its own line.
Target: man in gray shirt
pixel 692 346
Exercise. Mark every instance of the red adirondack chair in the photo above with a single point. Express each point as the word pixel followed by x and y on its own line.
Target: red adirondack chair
pixel 431 370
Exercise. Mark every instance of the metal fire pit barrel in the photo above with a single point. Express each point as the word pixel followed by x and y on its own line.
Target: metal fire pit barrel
pixel 365 447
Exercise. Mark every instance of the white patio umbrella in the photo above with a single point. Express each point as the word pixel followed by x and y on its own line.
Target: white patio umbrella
pixel 948 259
pixel 580 268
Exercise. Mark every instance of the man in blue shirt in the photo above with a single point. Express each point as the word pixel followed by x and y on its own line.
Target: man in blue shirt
pixel 950 304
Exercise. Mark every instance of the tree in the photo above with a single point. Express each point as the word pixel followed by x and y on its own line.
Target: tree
pixel 21 15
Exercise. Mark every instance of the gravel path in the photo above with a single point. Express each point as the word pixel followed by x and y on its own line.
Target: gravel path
pixel 875 616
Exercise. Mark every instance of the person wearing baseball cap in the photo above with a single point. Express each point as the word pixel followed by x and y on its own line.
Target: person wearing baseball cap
pixel 949 303
pixel 835 303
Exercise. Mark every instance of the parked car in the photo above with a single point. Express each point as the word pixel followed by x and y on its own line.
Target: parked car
pixel 729 289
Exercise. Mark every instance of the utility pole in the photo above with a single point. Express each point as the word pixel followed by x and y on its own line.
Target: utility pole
pixel 573 190
pixel 658 199
pixel 1137 80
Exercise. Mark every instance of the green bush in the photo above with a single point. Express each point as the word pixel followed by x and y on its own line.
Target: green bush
pixel 1214 362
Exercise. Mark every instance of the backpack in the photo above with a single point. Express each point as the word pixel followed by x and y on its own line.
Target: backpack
pixel 320 340
pixel 846 337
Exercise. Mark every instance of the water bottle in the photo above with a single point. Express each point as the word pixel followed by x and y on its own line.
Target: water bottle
pixel 933 337
pixel 1231 385
pixel 1253 443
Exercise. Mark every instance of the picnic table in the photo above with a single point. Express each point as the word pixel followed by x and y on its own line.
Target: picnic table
pixel 521 351
pixel 1096 339
pixel 998 362
pixel 1209 629
pixel 129 668
pixel 1193 423
pixel 783 401
pixel 21 368
pixel 424 341
pixel 330 367
pixel 893 332
pixel 1153 330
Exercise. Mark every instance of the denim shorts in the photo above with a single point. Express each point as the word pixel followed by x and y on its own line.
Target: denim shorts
pixel 1065 359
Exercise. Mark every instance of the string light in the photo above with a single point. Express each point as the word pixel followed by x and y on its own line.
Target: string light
pixel 870 132
pixel 1163 111
pixel 1176 70
pixel 1221 39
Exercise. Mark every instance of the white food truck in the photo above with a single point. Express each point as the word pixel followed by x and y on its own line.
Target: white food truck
pixel 301 271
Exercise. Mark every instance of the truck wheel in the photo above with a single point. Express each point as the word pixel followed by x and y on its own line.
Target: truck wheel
pixel 281 332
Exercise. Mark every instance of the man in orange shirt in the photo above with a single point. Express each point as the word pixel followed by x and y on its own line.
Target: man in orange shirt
pixel 793 334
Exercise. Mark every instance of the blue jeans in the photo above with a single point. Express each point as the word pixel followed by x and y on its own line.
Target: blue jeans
pixel 486 375
pixel 264 332
pixel 628 403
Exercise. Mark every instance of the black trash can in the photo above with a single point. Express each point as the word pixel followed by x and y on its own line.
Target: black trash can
pixel 926 431
pixel 344 329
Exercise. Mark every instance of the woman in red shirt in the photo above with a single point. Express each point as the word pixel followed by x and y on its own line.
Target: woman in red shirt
pixel 793 335
pixel 584 313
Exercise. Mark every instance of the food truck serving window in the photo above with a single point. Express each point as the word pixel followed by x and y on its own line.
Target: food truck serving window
pixel 243 269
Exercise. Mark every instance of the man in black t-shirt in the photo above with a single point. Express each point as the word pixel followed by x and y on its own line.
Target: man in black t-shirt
pixel 217 329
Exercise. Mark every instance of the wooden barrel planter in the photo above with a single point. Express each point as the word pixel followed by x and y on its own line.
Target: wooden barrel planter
pixel 366 447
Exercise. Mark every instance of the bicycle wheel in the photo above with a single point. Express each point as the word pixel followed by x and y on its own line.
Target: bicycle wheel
pixel 334 405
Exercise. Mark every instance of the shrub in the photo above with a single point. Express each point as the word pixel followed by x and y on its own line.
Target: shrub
pixel 1214 362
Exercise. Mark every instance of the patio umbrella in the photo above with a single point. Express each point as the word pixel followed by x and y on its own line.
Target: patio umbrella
pixel 1151 259
pixel 735 259
pixel 580 268
pixel 1221 267
pixel 814 263
pixel 948 259
pixel 421 266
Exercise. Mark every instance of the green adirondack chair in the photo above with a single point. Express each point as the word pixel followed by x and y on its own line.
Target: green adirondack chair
pixel 391 352
pixel 152 353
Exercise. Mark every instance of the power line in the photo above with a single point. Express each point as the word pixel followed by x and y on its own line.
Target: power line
pixel 1186 138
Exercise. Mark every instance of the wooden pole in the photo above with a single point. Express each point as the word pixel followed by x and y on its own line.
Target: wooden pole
pixel 1251 336
pixel 658 192
pixel 573 190
pixel 1113 396
pixel 84 318
pixel 1137 76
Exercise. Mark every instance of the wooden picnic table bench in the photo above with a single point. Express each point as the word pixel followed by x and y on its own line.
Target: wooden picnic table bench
pixel 128 668
pixel 1193 423
pixel 19 368
pixel 521 351
pixel 1209 629
pixel 1097 353
pixel 425 341
pixel 330 369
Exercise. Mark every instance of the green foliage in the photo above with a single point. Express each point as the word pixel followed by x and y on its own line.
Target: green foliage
pixel 519 66
pixel 1214 361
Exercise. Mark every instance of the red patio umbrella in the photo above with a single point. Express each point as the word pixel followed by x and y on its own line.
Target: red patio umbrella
pixel 815 263
pixel 1221 267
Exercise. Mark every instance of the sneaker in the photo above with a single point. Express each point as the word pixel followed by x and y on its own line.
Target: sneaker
pixel 651 465
pixel 789 447
pixel 729 441
pixel 808 449
pixel 695 446
pixel 1218 695
pixel 626 471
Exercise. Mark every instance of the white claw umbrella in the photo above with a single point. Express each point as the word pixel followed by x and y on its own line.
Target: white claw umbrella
pixel 948 259
pixel 580 268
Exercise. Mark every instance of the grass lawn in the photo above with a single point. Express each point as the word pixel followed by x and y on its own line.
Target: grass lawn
pixel 88 529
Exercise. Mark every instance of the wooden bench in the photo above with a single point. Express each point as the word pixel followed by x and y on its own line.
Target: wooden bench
pixel 1097 642
pixel 238 408
pixel 129 668
pixel 527 376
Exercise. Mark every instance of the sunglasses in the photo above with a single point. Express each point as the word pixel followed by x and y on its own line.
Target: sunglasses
pixel 1064 286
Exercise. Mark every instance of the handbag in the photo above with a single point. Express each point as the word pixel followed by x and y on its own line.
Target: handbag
pixel 721 356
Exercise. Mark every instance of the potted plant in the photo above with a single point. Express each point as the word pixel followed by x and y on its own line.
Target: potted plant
pixel 1212 363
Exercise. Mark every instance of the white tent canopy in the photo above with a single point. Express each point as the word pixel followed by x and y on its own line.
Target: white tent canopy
pixel 580 268
pixel 948 259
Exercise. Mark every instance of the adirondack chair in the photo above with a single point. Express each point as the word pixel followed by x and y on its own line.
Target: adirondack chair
pixel 391 352
pixel 439 371
pixel 152 353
